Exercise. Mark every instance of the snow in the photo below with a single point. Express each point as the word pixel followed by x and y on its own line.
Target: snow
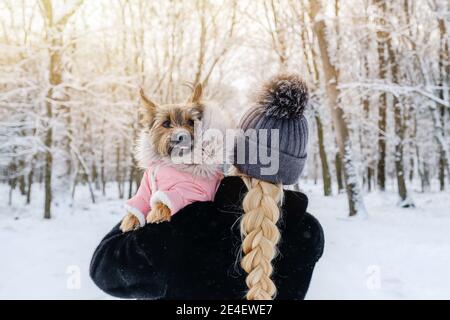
pixel 39 256
pixel 394 253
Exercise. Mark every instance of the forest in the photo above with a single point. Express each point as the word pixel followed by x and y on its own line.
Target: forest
pixel 377 176
pixel 70 73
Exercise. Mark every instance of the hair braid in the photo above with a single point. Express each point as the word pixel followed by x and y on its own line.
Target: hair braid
pixel 260 236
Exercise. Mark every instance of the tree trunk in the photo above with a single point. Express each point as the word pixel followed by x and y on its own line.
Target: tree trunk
pixel 327 191
pixel 381 165
pixel 48 163
pixel 74 185
pixel 439 137
pixel 444 69
pixel 399 165
pixel 55 38
pixel 411 168
pixel 355 201
pixel 30 182
pixel 118 173
pixel 399 129
pixel 21 179
pixel 102 177
pixel 382 62
pixel 441 171
pixel 338 165
pixel 369 179
pixel 86 175
pixel 426 177
pixel 95 176
pixel 202 42
pixel 12 182
pixel 102 161
pixel 55 78
pixel 12 186
pixel 131 180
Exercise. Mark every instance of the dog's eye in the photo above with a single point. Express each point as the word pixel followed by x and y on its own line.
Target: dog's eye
pixel 191 122
pixel 166 124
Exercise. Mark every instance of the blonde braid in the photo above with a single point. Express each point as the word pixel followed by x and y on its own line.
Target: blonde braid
pixel 260 236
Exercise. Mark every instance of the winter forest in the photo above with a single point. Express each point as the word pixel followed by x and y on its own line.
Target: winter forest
pixel 378 170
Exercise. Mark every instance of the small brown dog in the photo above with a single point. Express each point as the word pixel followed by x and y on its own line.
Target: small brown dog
pixel 168 185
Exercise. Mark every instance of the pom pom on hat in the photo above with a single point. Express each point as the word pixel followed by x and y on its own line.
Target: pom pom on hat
pixel 285 96
pixel 279 105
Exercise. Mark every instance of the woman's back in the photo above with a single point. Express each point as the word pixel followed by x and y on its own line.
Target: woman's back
pixel 196 256
pixel 211 248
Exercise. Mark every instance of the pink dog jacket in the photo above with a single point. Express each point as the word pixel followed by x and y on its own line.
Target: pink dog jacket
pixel 173 188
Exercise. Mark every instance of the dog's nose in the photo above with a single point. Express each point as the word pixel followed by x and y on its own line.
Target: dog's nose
pixel 181 137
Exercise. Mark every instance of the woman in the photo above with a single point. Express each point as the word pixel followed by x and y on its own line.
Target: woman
pixel 204 252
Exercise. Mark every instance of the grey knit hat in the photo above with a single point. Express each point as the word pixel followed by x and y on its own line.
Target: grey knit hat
pixel 274 132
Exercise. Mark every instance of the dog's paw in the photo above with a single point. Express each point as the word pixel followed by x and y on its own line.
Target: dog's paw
pixel 159 213
pixel 129 223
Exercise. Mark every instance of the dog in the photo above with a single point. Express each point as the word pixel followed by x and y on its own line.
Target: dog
pixel 167 149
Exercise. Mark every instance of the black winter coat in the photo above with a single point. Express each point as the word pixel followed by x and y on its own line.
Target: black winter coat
pixel 195 256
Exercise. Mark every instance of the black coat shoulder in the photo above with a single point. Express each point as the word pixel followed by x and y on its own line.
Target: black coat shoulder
pixel 195 256
pixel 296 224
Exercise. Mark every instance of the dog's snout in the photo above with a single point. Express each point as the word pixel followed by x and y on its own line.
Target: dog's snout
pixel 181 139
pixel 182 136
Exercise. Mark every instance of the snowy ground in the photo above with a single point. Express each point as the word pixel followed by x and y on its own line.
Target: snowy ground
pixel 394 254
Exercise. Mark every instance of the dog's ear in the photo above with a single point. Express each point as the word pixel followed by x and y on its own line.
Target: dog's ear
pixel 150 106
pixel 197 94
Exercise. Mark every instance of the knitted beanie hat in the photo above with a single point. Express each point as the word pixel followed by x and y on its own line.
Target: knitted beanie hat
pixel 272 142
